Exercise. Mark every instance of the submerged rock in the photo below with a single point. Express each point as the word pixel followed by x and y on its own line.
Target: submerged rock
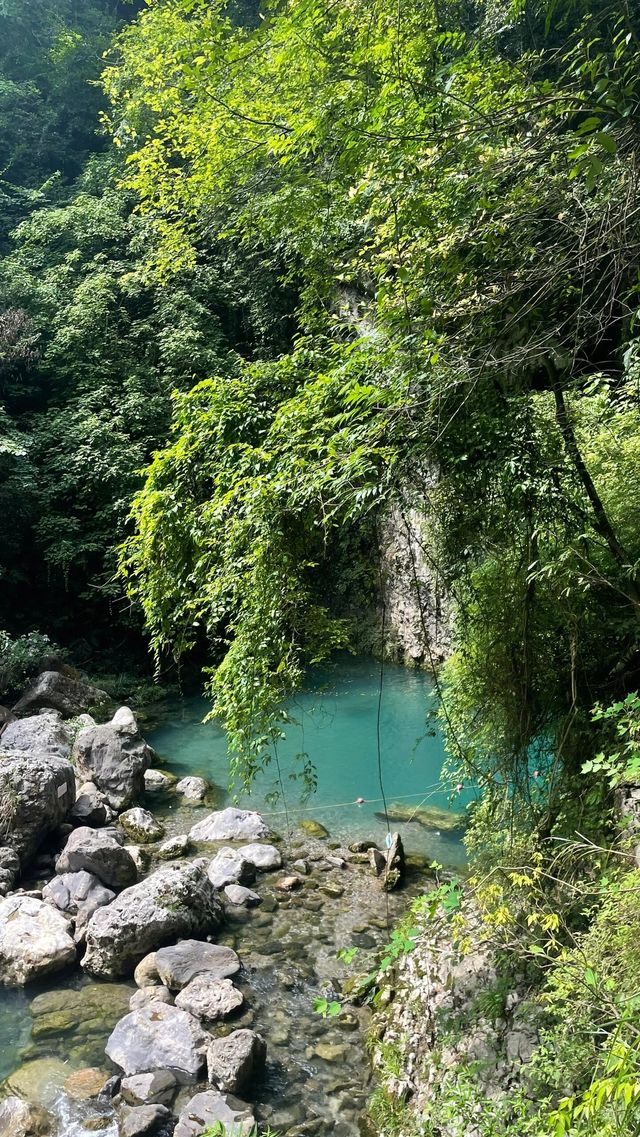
pixel 314 828
pixel 20 1118
pixel 61 693
pixel 140 825
pixel 206 1109
pixel 100 852
pixel 210 999
pixel 39 1081
pixel 174 901
pixel 192 789
pixel 34 940
pixel 85 1084
pixel 430 816
pixel 159 1037
pixel 179 964
pixel 230 825
pixel 233 1062
pixel 114 756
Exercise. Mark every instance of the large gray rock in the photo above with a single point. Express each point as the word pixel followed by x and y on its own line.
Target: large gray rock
pixel 229 867
pixel 239 896
pixel 206 1109
pixel 39 734
pixel 140 825
pixel 233 1061
pixel 178 965
pixel 98 851
pixel 35 940
pixel 159 1037
pixel 61 693
pixel 156 1087
pixel 209 999
pixel 78 895
pixel 20 1118
pixel 230 825
pixel 142 1120
pixel 178 900
pixel 114 756
pixel 37 786
pixel 262 857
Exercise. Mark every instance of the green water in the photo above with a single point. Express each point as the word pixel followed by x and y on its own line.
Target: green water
pixel 336 726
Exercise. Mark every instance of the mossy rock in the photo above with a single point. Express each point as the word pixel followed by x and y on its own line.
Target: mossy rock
pixel 430 816
pixel 314 828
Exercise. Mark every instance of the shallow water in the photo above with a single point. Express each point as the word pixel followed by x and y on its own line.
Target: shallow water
pixel 336 725
pixel 317 1074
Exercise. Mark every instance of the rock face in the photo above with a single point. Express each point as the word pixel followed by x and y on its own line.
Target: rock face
pixel 262 857
pixel 229 867
pixel 174 901
pixel 78 895
pixel 179 964
pixel 417 610
pixel 37 782
pixel 159 1037
pixel 20 1118
pixel 210 999
pixel 232 1062
pixel 140 825
pixel 204 1110
pixel 61 693
pixel 100 852
pixel 34 940
pixel 192 789
pixel 114 756
pixel 230 825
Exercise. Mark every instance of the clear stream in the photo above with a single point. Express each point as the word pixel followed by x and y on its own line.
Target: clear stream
pixel 317 1076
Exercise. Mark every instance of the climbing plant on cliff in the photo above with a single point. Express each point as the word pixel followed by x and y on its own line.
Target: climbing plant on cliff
pixel 452 190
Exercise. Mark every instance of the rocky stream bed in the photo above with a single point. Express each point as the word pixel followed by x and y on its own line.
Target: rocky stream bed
pixel 160 958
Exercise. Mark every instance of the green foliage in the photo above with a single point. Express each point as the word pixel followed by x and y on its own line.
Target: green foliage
pixel 327 1008
pixel 22 657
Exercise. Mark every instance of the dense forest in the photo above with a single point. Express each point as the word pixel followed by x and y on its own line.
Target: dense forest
pixel 267 274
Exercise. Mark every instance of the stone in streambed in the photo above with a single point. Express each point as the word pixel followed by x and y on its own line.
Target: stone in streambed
pixel 85 1084
pixel 206 1109
pixel 229 867
pixel 174 847
pixel 265 858
pixel 158 781
pixel 100 852
pixel 148 995
pixel 289 883
pixel 155 1088
pixel 210 999
pixel 429 816
pixel 140 826
pixel 179 964
pixel 146 973
pixel 230 825
pixel 233 1062
pixel 176 900
pixel 40 1081
pixel 314 828
pixel 192 789
pixel 239 896
pixel 158 1037
pixel 35 940
pixel 91 807
pixel 141 1120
